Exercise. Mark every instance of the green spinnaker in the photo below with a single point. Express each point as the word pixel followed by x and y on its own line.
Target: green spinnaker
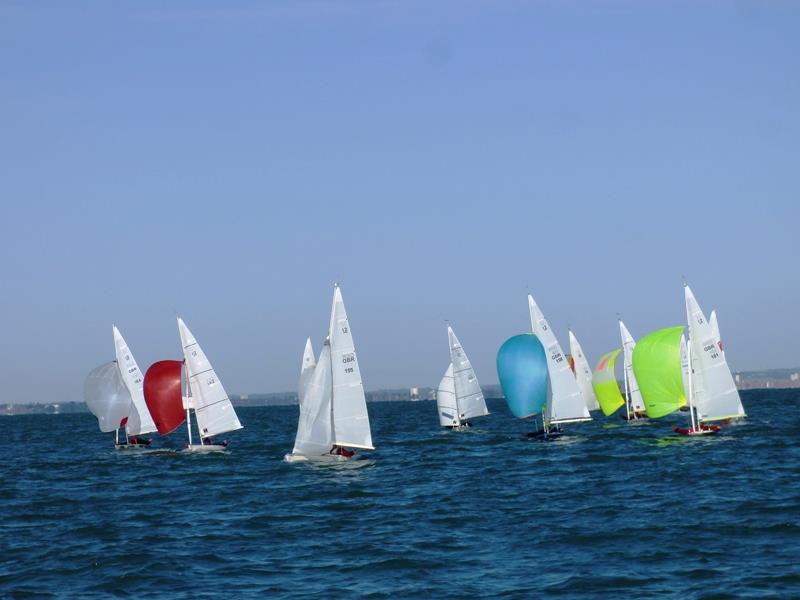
pixel 657 366
pixel 605 385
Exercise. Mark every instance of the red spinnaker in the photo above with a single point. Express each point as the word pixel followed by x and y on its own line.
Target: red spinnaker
pixel 162 393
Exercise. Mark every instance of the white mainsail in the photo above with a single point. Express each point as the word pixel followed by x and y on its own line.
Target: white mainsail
pixel 213 408
pixel 446 400
pixel 350 417
pixel 315 426
pixel 715 396
pixel 139 419
pixel 469 396
pixel 566 403
pixel 628 344
pixel 306 370
pixel 583 373
pixel 107 396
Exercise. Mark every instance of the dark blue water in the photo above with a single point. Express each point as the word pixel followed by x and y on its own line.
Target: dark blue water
pixel 612 510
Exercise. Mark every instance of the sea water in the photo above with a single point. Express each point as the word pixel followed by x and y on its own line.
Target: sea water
pixel 611 510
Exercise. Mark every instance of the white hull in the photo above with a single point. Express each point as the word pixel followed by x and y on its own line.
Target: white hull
pixel 326 458
pixel 205 448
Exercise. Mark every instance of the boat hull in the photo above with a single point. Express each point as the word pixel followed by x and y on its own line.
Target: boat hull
pixel 703 430
pixel 205 448
pixel 325 458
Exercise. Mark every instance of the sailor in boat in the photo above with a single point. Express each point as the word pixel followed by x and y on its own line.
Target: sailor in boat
pixel 209 441
pixel 342 451
pixel 135 440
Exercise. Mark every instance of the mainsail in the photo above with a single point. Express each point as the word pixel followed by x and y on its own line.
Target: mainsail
pixel 162 393
pixel 306 370
pixel 139 419
pixel 469 396
pixel 213 408
pixel 604 382
pixel 315 426
pixel 714 393
pixel 628 346
pixel 446 400
pixel 107 396
pixel 351 420
pixel 657 365
pixel 583 373
pixel 566 403
pixel 522 370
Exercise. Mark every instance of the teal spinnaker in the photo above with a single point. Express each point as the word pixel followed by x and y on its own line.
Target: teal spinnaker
pixel 522 369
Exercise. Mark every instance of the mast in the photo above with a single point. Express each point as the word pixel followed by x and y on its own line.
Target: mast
pixel 188 413
pixel 691 386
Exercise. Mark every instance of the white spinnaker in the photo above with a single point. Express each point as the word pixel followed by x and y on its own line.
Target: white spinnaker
pixel 715 393
pixel 139 419
pixel 566 402
pixel 583 373
pixel 306 370
pixel 446 400
pixel 212 407
pixel 469 396
pixel 628 344
pixel 315 428
pixel 107 396
pixel 350 417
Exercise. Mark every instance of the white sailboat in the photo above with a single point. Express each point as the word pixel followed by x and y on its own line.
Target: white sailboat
pixel 139 420
pixel 459 397
pixel 566 403
pixel 205 396
pixel 333 412
pixel 113 393
pixel 583 373
pixel 711 391
pixel 306 370
pixel 634 404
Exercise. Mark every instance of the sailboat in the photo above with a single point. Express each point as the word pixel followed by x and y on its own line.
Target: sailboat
pixel 583 373
pixel 523 374
pixel 333 411
pixel 203 394
pixel 566 403
pixel 634 405
pixel 711 388
pixel 113 393
pixel 459 397
pixel 658 366
pixel 306 370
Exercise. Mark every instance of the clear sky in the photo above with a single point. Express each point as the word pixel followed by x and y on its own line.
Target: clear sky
pixel 228 161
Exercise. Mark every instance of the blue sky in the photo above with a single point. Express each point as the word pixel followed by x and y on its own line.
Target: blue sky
pixel 229 161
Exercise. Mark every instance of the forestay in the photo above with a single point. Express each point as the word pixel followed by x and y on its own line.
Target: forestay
pixel 566 403
pixel 139 419
pixel 446 400
pixel 306 370
pixel 583 373
pixel 315 427
pixel 604 382
pixel 351 420
pixel 469 396
pixel 715 396
pixel 213 408
pixel 628 346
pixel 107 396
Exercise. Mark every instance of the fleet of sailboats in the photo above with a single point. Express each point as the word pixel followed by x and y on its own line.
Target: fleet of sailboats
pixel 680 368
pixel 459 397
